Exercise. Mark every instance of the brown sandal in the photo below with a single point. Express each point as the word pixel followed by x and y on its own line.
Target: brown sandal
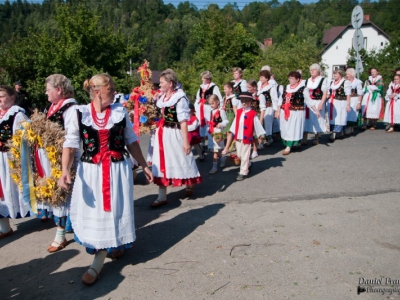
pixel 89 279
pixel 52 249
pixel 3 235
pixel 189 191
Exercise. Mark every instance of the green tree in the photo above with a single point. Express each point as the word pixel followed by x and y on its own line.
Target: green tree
pixel 81 49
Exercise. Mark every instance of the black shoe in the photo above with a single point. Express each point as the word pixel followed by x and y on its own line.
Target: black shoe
pixel 240 177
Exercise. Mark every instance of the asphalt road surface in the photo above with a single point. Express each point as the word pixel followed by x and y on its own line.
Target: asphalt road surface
pixel 321 223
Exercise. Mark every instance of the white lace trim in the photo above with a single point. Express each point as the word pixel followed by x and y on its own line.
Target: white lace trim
pixel 376 78
pixel 266 88
pixel 174 98
pixel 335 87
pixel 12 111
pixel 117 113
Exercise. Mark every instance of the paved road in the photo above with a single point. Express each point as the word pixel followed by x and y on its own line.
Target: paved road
pixel 304 226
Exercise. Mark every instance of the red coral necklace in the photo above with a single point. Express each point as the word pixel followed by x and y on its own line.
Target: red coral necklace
pixel 3 112
pixel 100 122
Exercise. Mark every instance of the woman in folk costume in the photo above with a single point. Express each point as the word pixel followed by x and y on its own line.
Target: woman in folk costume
pixel 259 107
pixel 395 72
pixel 60 93
pixel 12 204
pixel 315 92
pixel 173 161
pixel 338 105
pixel 291 112
pixel 392 111
pixel 207 88
pixel 103 217
pixel 239 84
pixel 354 91
pixel 267 93
pixel 372 103
pixel 216 144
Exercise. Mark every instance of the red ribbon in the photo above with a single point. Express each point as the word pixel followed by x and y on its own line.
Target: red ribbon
pixel 1 191
pixel 391 108
pixel 104 156
pixel 332 100
pixel 212 123
pixel 366 106
pixel 286 106
pixel 307 112
pixel 39 167
pixel 136 115
pixel 160 126
pixel 202 119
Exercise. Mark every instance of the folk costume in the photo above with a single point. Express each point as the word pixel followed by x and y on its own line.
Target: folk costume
pixel 102 212
pixel 243 127
pixel 392 110
pixel 194 137
pixel 313 93
pixel 268 96
pixel 228 104
pixel 12 203
pixel 292 115
pixel 171 166
pixel 355 90
pixel 239 87
pixel 337 104
pixel 372 103
pixel 62 114
pixel 215 135
pixel 202 107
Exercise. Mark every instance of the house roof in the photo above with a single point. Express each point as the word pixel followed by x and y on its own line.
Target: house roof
pixel 333 33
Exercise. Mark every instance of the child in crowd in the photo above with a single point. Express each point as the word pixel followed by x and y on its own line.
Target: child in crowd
pixel 259 107
pixel 218 121
pixel 243 127
pixel 194 132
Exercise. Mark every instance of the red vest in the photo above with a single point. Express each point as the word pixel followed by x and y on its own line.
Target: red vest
pixel 194 136
pixel 248 127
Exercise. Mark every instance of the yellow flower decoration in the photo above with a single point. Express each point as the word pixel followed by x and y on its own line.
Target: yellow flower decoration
pixel 46 191
pixel 31 135
pixel 39 142
pixel 56 173
pixel 16 139
pixel 15 177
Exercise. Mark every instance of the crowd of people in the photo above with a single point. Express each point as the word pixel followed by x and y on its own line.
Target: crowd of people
pixel 100 145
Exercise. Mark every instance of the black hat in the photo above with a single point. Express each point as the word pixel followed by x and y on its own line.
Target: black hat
pixel 18 82
pixel 191 106
pixel 246 96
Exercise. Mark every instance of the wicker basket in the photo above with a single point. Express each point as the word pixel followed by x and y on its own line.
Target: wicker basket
pixel 234 160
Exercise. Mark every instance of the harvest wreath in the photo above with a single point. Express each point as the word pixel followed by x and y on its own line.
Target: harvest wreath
pixel 39 133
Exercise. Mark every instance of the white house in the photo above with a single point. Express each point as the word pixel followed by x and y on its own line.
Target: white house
pixel 339 40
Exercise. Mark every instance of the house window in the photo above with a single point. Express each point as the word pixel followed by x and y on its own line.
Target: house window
pixel 337 47
pixel 381 43
pixel 365 43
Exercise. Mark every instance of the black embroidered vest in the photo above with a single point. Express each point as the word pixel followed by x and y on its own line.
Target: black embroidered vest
pixel 6 132
pixel 91 140
pixel 296 99
pixel 216 120
pixel 317 93
pixel 268 99
pixel 237 89
pixel 339 92
pixel 58 116
pixel 207 93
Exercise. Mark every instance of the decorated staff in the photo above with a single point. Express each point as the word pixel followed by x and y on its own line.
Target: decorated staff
pixel 12 203
pixel 102 198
